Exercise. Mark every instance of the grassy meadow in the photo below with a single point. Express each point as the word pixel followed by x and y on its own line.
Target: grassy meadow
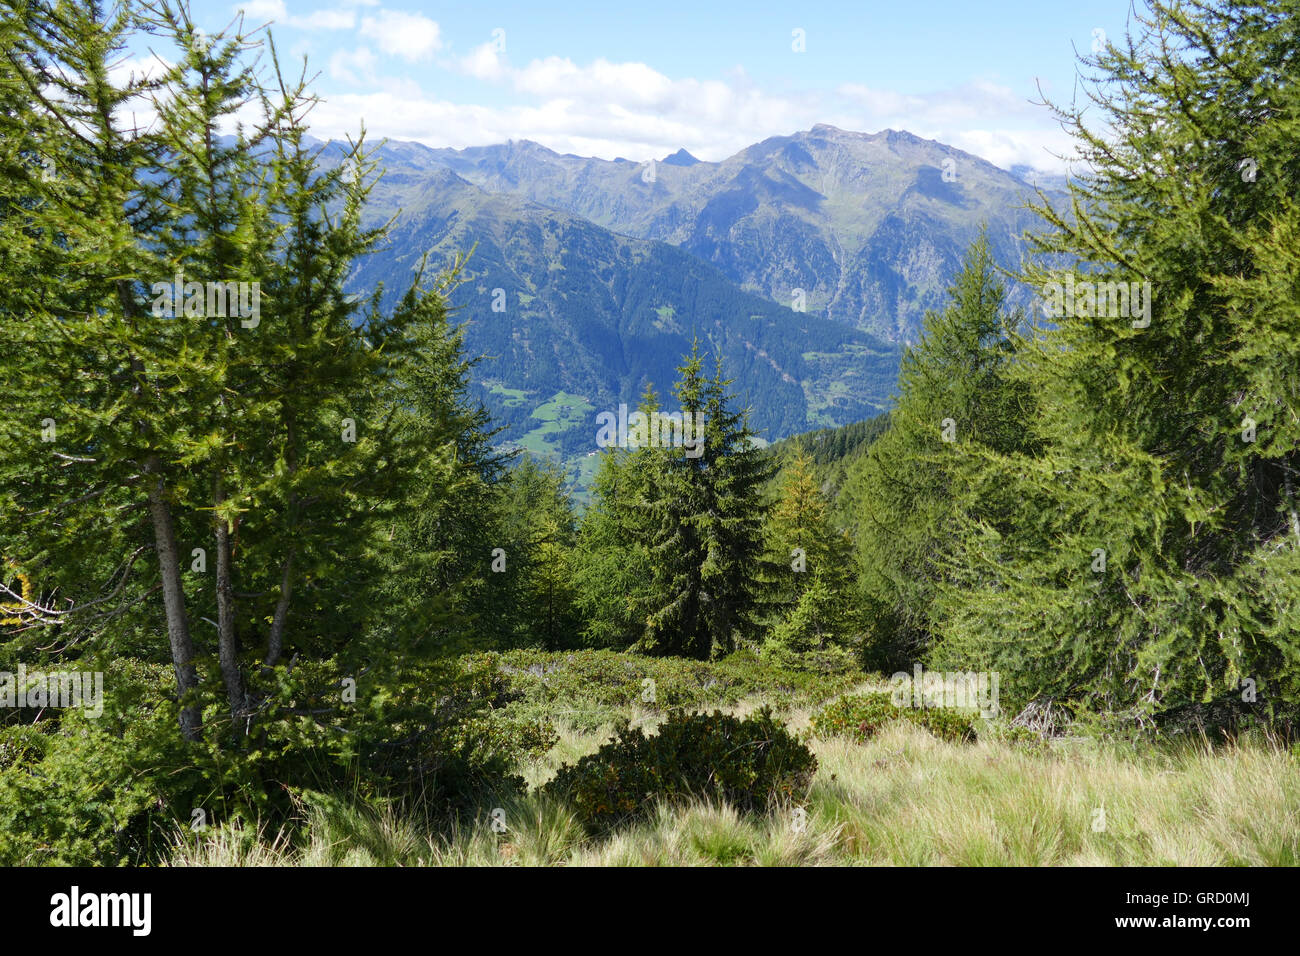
pixel 903 797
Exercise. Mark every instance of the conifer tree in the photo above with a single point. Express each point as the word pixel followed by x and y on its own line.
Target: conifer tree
pixel 146 413
pixel 437 568
pixel 540 531
pixel 613 574
pixel 955 398
pixel 90 410
pixel 813 562
pixel 706 514
pixel 1147 558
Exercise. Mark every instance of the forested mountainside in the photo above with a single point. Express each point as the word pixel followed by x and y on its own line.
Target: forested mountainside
pixel 803 260
pixel 570 318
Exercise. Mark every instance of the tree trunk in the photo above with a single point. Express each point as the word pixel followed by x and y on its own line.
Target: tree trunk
pixel 169 561
pixel 227 644
pixel 178 626
pixel 275 641
pixel 1290 503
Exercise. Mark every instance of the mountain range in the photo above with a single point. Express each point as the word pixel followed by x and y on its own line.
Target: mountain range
pixel 805 261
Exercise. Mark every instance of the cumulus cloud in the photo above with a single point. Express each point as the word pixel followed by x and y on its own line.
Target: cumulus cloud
pixel 712 120
pixel 483 63
pixel 1049 150
pixel 353 67
pixel 960 117
pixel 327 20
pixel 412 36
pixel 264 10
pixel 630 109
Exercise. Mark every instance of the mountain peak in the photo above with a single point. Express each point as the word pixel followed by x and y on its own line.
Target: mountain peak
pixel 893 135
pixel 679 158
pixel 528 146
pixel 888 135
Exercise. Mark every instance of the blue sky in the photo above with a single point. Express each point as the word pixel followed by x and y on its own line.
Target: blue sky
pixel 640 79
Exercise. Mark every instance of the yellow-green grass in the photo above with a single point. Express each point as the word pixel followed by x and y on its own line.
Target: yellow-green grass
pixel 902 798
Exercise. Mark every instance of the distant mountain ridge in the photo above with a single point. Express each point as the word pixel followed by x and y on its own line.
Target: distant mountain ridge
pixel 804 261
pixel 869 226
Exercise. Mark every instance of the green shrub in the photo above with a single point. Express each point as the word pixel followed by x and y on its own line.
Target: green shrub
pixel 21 744
pixel 861 716
pixel 589 689
pixel 76 790
pixel 745 762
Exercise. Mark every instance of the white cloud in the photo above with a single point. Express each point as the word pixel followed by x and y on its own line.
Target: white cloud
pixel 605 109
pixel 1048 150
pixel 412 36
pixel 633 83
pixel 881 101
pixel 484 63
pixel 136 114
pixel 277 11
pixel 144 67
pixel 353 66
pixel 264 10
pixel 565 124
pixel 326 20
pixel 629 109
pixel 1025 133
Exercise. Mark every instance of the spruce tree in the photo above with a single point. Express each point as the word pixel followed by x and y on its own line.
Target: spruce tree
pixel 706 514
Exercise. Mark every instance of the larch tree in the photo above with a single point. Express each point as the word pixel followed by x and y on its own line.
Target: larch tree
pixel 955 399
pixel 813 586
pixel 1147 557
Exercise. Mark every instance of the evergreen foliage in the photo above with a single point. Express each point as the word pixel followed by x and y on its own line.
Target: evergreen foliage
pixel 955 399
pixel 1143 557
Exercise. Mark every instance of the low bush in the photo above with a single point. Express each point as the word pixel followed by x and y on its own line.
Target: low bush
pixel 80 790
pixel 860 716
pixel 590 689
pixel 745 762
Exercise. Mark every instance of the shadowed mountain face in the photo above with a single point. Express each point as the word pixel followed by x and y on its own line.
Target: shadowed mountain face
pixel 869 227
